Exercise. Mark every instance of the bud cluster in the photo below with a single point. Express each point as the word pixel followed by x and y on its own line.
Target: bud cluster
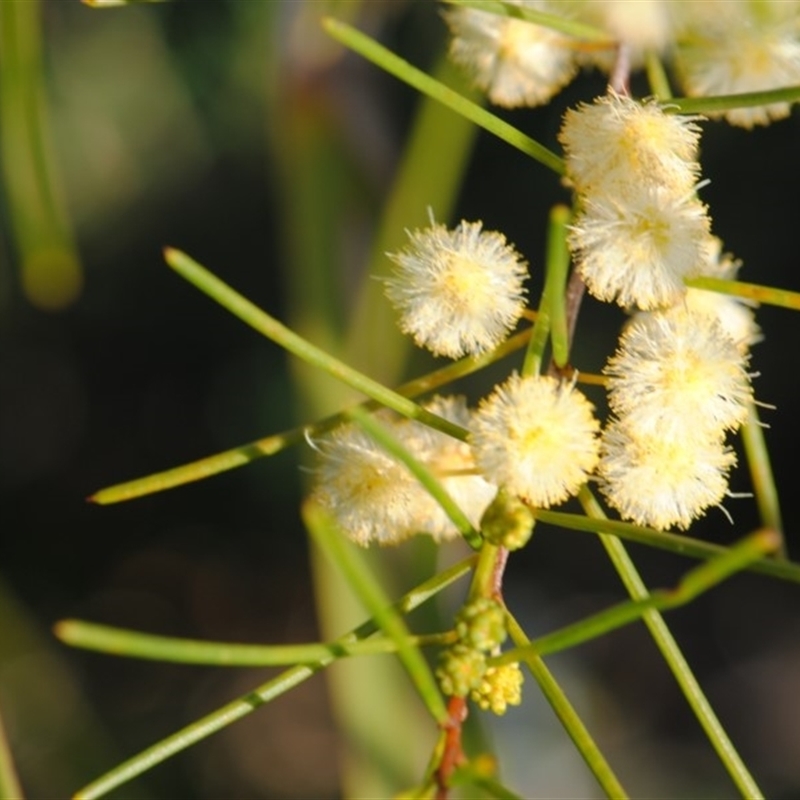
pixel 507 522
pixel 462 669
pixel 679 381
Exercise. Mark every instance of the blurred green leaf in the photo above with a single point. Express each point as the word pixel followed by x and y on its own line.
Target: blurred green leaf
pixel 50 271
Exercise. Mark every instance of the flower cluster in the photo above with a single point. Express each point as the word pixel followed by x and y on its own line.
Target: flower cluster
pixel 677 383
pixel 462 669
pixel 679 380
pixel 641 230
pixel 717 48
pixel 746 47
pixel 499 688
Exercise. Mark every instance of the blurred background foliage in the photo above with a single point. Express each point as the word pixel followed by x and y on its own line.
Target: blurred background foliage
pixel 234 130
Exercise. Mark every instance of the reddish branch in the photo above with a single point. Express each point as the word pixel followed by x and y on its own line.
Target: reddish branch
pixel 453 755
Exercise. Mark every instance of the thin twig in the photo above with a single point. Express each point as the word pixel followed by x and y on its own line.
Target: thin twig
pixel 453 755
pixel 497 576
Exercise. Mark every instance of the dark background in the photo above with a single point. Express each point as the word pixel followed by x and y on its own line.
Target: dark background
pixel 161 117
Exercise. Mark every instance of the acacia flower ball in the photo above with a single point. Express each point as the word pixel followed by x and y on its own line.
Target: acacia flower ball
pixel 537 438
pixel 748 47
pixel 677 366
pixel 646 25
pixel 458 291
pixel 375 498
pixel 371 496
pixel 638 249
pixel 615 142
pixel 515 62
pixel 661 482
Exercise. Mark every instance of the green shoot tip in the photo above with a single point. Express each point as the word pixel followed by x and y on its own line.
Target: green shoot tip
pixel 62 630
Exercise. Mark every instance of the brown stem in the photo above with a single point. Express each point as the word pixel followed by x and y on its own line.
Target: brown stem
pixel 453 755
pixel 497 574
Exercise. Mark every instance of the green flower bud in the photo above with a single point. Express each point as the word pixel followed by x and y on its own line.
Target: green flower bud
pixel 460 670
pixel 507 522
pixel 482 624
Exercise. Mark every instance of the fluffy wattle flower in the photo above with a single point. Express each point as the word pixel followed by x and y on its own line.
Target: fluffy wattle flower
pixel 677 368
pixel 537 438
pixel 641 26
pixel 637 250
pixel 374 498
pixel 662 483
pixel 615 142
pixel 745 47
pixel 458 291
pixel 515 62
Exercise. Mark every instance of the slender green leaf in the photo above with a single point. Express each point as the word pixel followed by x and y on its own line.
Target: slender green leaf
pixel 657 77
pixel 539 337
pixel 569 718
pixel 556 282
pixel 222 717
pixel 711 105
pixel 10 787
pixel 243 454
pixel 394 65
pixel 675 659
pixel 50 271
pixel 268 326
pixel 363 583
pixel 752 291
pixel 552 313
pixel 485 577
pixel 694 583
pixel 135 644
pixel 672 542
pixel 761 475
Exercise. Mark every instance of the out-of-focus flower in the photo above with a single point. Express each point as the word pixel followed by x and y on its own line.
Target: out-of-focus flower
pixel 743 47
pixel 641 26
pixel 375 498
pixel 515 62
